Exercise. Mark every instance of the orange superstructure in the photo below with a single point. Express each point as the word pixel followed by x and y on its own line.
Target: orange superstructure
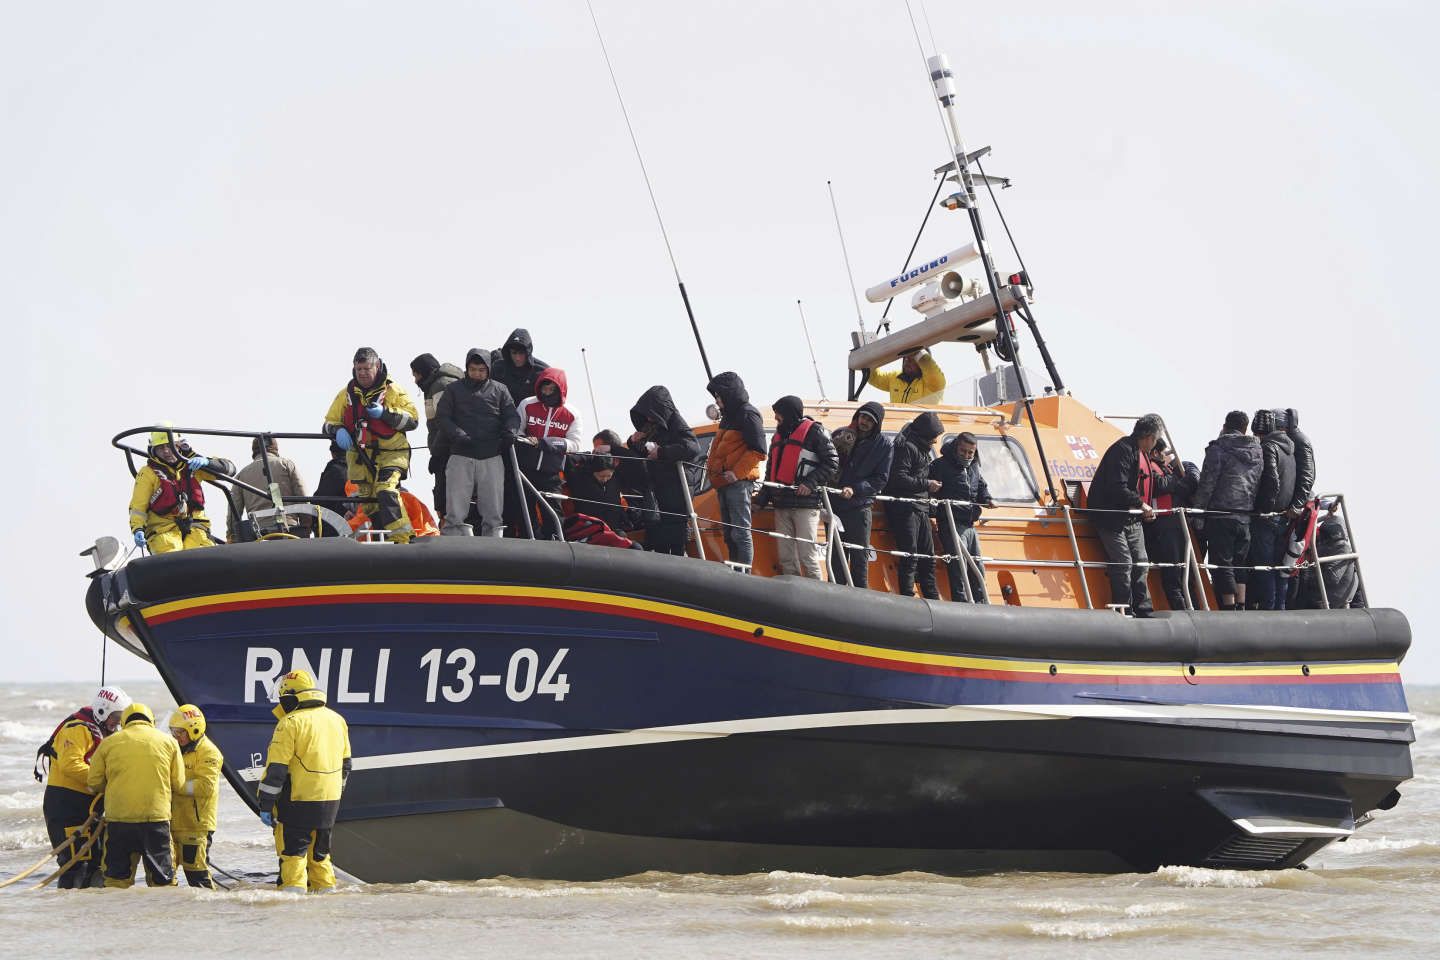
pixel 1027 536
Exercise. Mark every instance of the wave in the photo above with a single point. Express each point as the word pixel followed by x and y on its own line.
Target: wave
pixel 814 898
pixel 1208 877
pixel 1134 911
pixel 12 731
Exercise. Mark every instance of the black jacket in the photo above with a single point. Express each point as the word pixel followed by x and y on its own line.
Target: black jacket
pixel 434 378
pixel 910 469
pixel 602 500
pixel 960 481
pixel 520 381
pixel 478 419
pixel 1277 472
pixel 867 469
pixel 1230 474
pixel 1304 460
pixel 818 464
pixel 654 415
pixel 1116 485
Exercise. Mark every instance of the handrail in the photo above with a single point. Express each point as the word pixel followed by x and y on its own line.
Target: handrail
pixel 690 508
pixel 523 484
pixel 834 531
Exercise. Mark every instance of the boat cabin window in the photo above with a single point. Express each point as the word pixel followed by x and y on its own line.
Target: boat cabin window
pixel 1007 470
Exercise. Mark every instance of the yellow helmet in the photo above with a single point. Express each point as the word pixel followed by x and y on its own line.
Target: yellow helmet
pixel 136 711
pixel 159 438
pixel 188 717
pixel 296 681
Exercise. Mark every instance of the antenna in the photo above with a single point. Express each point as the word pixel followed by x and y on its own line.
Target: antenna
pixel 664 234
pixel 806 327
pixel 585 359
pixel 859 319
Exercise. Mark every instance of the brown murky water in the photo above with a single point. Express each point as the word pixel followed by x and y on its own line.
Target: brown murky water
pixel 1377 894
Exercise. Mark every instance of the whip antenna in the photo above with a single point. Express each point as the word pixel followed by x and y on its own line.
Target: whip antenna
pixel 585 359
pixel 859 319
pixel 664 234
pixel 813 362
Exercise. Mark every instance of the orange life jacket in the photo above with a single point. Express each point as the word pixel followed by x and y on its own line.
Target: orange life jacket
pixel 786 453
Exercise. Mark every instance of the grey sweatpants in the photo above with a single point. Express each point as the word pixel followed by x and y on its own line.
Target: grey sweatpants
pixel 481 480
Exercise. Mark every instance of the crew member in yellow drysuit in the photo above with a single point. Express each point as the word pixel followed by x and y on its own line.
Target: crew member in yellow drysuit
pixel 139 770
pixel 919 380
pixel 305 771
pixel 167 509
pixel 369 420
pixel 63 761
pixel 192 812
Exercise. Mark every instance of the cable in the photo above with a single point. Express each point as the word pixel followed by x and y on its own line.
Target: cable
pixel 918 233
pixel 1001 214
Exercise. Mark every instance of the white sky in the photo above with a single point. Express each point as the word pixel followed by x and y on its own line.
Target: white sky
pixel 206 208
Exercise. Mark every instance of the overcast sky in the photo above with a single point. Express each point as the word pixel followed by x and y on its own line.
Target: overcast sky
pixel 205 208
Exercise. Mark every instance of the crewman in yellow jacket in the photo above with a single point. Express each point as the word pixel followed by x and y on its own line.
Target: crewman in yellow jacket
pixel 192 811
pixel 368 420
pixel 63 761
pixel 918 381
pixel 305 772
pixel 139 770
pixel 167 507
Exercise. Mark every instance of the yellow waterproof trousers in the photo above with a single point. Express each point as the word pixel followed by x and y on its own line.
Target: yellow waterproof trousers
pixel 304 859
pixel 165 537
pixel 385 488
pixel 190 852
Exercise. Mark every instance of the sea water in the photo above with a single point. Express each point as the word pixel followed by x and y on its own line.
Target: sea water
pixel 1377 894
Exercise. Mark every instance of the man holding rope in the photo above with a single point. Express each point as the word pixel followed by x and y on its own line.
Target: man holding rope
pixel 139 770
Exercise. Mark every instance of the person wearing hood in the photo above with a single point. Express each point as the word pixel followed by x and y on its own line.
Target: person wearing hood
pixel 733 462
pixel 1229 478
pixel 594 483
pixel 1304 460
pixel 369 419
pixel 306 768
pixel 167 503
pixel 1122 483
pixel 515 366
pixel 909 521
pixel 958 470
pixel 432 377
pixel 551 430
pixel 1342 577
pixel 1265 589
pixel 664 440
pixel 918 381
pixel 63 762
pixel 1173 484
pixel 139 770
pixel 478 419
pixel 802 459
pixel 865 460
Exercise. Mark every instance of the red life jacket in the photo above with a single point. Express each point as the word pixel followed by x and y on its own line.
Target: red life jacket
pixel 179 493
pixel 787 453
pixel 46 753
pixel 356 423
pixel 583 528
pixel 1145 479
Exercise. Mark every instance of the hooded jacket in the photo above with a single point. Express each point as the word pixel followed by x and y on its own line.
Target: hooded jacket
pixel 310 753
pixel 926 387
pixel 434 378
pixel 867 468
pixel 478 418
pixel 910 470
pixel 1230 473
pixel 520 381
pixel 193 807
pixel 960 481
pixel 1304 460
pixel 739 444
pixel 138 768
pixel 654 415
pixel 818 463
pixel 399 417
pixel 1277 473
pixel 559 428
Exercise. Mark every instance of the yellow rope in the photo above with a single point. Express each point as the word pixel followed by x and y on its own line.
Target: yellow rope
pixel 63 844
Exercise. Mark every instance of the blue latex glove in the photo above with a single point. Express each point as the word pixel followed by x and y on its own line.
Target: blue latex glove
pixel 374 411
pixel 139 538
pixel 198 462
pixel 267 818
pixel 343 440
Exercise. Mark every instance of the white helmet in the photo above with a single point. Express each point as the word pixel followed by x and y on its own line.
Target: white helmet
pixel 108 700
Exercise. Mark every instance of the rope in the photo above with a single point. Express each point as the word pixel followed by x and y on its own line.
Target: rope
pixel 85 827
pixel 99 832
